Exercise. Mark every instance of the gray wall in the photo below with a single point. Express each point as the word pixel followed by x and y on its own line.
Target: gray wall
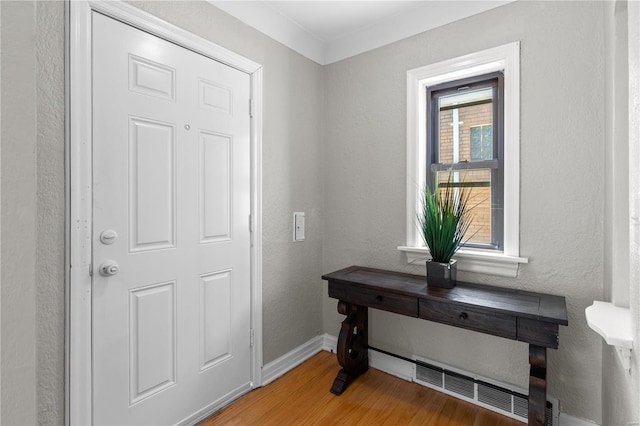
pixel 19 215
pixel 50 173
pixel 562 184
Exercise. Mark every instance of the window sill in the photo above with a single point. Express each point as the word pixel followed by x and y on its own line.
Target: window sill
pixel 614 325
pixel 477 261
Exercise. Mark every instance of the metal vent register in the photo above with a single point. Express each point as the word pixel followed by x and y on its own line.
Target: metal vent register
pixel 487 393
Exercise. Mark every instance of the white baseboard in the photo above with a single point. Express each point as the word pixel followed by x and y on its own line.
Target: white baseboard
pixel 567 420
pixel 329 343
pixel 292 359
pixel 391 365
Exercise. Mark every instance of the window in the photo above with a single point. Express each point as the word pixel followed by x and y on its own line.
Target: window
pixel 464 151
pixel 463 118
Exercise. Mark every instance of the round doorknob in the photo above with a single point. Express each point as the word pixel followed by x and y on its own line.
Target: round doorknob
pixel 109 268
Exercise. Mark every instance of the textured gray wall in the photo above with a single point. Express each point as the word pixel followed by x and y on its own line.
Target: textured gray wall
pixel 561 195
pixel 19 215
pixel 50 272
pixel 33 213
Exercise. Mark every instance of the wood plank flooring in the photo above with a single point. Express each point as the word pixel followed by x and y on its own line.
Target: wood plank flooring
pixel 302 397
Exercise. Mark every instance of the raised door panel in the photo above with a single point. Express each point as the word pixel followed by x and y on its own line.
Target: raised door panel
pixel 152 340
pixel 215 315
pixel 152 184
pixel 151 78
pixel 215 187
pixel 215 97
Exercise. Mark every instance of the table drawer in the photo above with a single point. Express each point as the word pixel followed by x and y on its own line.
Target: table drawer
pixel 405 305
pixel 474 319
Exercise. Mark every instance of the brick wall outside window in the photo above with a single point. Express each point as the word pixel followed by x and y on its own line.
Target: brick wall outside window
pixel 480 197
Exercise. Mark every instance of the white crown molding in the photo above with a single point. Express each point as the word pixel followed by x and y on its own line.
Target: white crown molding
pixel 431 14
pixel 268 21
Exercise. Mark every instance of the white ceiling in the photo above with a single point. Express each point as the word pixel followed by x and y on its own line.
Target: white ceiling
pixel 328 31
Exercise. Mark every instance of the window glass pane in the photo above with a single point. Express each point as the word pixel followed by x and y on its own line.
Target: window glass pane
pixel 481 139
pixel 478 183
pixel 466 126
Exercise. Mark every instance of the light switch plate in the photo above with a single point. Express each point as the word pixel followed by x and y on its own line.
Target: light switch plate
pixel 298 226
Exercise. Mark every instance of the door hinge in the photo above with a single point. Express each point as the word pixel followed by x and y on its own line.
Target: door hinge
pixel 251 107
pixel 252 337
pixel 250 223
pixel 91 270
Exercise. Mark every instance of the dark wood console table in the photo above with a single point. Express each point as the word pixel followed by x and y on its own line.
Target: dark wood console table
pixel 529 317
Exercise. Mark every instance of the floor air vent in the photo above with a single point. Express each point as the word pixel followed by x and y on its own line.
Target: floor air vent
pixel 459 384
pixel 496 397
pixel 426 374
pixel 520 406
pixel 501 398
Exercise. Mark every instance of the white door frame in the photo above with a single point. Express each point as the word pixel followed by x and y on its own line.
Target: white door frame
pixel 79 188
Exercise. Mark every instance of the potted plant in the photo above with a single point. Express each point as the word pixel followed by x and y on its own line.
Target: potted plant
pixel 443 222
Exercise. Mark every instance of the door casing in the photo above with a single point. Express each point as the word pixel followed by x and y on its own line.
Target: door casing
pixel 79 192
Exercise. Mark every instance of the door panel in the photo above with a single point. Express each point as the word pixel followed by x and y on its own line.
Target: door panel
pixel 171 177
pixel 215 181
pixel 151 78
pixel 152 341
pixel 215 318
pixel 152 184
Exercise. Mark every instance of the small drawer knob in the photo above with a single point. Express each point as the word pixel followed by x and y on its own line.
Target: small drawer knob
pixel 463 316
pixel 379 298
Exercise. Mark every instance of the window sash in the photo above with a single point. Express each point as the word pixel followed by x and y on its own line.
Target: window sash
pixel 494 80
pixel 465 165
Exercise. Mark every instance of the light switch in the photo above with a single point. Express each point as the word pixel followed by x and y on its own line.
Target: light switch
pixel 298 226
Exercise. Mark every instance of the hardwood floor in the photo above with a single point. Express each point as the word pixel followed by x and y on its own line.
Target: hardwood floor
pixel 302 397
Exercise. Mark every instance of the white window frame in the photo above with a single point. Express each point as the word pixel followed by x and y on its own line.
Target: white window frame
pixel 504 58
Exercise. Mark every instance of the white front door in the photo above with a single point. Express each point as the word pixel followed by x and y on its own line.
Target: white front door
pixel 171 242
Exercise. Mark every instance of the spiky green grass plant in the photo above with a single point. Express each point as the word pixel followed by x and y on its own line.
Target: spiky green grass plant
pixel 444 220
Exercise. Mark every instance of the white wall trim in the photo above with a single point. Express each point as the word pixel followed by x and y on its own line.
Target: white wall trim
pixel 329 343
pixel 256 215
pixel 268 21
pixel 491 263
pixel 567 420
pixel 292 359
pixel 78 186
pixel 504 58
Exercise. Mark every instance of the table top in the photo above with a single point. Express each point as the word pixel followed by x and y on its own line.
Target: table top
pixel 523 304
